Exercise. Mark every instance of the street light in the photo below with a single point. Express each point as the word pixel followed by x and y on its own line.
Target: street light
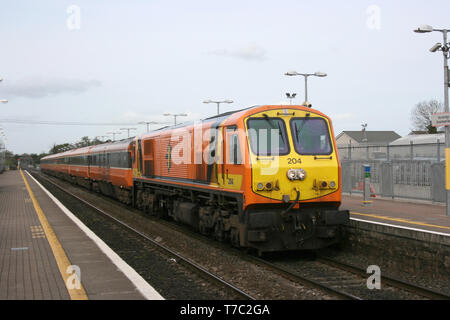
pixel 218 103
pixel 128 130
pixel 175 116
pixel 100 137
pixel 290 96
pixel 114 134
pixel 445 49
pixel 3 101
pixel 306 75
pixel 149 123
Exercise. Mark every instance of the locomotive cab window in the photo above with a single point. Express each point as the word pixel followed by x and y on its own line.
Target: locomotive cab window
pixel 311 136
pixel 267 136
pixel 234 149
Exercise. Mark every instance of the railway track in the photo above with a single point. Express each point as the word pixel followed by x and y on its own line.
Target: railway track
pixel 397 283
pixel 340 283
pixel 167 251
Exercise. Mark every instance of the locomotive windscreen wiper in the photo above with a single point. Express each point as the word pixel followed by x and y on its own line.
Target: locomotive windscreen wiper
pixel 266 117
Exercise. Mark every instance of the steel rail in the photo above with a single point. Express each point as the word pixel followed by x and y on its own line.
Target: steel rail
pixel 397 283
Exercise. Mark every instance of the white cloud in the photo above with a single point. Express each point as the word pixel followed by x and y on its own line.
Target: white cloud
pixel 251 52
pixel 37 87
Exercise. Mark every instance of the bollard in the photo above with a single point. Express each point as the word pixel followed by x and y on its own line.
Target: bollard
pixel 366 185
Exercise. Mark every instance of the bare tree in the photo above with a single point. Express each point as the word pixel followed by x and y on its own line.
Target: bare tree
pixel 421 115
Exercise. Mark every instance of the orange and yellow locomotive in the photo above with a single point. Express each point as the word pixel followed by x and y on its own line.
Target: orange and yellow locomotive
pixel 265 177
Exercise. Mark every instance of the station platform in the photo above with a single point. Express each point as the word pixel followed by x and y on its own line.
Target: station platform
pixel 46 253
pixel 425 217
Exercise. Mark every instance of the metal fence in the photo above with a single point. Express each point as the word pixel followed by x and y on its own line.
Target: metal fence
pixel 416 171
pixel 424 151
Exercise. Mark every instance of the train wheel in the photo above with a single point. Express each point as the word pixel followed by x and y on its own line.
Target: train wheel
pixel 234 237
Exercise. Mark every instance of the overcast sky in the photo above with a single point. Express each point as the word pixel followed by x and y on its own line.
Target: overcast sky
pixel 106 61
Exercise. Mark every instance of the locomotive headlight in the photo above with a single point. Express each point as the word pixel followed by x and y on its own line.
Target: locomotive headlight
pixel 332 184
pixel 296 174
pixel 260 186
pixel 301 174
pixel 292 174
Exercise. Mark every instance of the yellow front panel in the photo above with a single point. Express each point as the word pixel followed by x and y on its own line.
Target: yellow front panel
pixel 273 169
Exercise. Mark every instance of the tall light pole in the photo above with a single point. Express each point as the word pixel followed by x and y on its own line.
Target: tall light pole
pixel 149 123
pixel 101 137
pixel 128 130
pixel 3 100
pixel 218 103
pixel 114 134
pixel 445 49
pixel 175 116
pixel 306 75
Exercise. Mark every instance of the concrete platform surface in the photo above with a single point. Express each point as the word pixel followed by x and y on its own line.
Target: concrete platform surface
pixel 424 216
pixel 43 251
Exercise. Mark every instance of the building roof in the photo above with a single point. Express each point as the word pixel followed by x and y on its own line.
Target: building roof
pixel 419 139
pixel 372 136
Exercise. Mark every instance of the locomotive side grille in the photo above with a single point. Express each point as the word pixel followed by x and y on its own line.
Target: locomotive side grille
pixel 200 172
pixel 149 168
pixel 148 147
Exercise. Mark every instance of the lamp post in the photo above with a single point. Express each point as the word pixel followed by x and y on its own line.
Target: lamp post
pixel 290 96
pixel 128 130
pixel 3 100
pixel 101 137
pixel 114 134
pixel 175 116
pixel 218 103
pixel 306 75
pixel 148 123
pixel 445 49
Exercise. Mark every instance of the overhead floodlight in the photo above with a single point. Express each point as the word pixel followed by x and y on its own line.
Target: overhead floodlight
pixel 436 47
pixel 320 74
pixel 424 29
pixel 291 73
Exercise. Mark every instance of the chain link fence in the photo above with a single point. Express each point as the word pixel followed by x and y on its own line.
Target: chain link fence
pixel 415 171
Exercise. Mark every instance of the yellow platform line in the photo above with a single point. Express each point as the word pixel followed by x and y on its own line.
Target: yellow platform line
pixel 400 220
pixel 58 251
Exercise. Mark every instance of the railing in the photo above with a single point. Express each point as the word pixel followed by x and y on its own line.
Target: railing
pixel 416 171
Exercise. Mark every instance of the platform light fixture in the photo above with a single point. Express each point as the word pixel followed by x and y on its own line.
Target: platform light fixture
pixel 114 134
pixel 306 75
pixel 444 47
pixel 128 130
pixel 218 103
pixel 148 123
pixel 175 115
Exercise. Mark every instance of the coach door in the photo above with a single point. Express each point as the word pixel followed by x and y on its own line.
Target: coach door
pixel 105 166
pixel 232 159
